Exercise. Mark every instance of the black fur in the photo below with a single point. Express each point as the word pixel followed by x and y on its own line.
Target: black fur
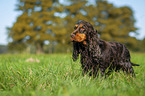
pixel 98 54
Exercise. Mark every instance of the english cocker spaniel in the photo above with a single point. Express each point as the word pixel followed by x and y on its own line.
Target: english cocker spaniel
pixel 99 55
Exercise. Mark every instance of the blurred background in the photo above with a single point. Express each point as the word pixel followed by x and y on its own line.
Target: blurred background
pixel 44 26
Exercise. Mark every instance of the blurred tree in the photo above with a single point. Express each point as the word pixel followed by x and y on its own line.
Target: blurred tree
pixel 73 11
pixel 143 44
pixel 36 24
pixel 49 21
pixel 113 23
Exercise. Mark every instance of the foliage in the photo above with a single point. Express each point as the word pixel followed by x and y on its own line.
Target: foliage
pixel 142 45
pixel 3 49
pixel 113 24
pixel 48 20
pixel 57 75
pixel 17 47
pixel 36 23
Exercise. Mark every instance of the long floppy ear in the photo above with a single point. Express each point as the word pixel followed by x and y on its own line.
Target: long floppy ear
pixel 93 34
pixel 76 51
pixel 94 43
pixel 92 37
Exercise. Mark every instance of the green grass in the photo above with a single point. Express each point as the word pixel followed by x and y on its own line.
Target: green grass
pixel 58 75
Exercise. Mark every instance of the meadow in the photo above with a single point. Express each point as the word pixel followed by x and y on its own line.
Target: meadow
pixel 58 75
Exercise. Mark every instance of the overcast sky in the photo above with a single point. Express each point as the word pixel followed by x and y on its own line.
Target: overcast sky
pixel 8 15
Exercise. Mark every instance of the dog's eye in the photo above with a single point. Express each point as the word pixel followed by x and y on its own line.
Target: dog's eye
pixel 82 28
pixel 75 28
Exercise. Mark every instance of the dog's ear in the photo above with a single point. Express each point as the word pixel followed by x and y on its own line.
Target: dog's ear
pixel 76 51
pixel 93 41
pixel 92 36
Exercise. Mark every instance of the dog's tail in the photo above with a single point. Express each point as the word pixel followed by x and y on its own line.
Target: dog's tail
pixel 135 64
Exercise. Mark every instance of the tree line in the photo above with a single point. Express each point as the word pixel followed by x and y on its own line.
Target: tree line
pixel 45 25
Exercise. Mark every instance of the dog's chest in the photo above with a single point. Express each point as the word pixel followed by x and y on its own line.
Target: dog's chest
pixel 86 57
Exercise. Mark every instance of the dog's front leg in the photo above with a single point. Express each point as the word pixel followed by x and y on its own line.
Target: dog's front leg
pixel 76 51
pixel 102 72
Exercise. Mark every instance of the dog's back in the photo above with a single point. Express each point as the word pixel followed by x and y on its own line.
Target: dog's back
pixel 121 52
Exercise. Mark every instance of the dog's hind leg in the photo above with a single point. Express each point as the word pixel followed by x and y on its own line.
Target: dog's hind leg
pixel 132 72
pixel 127 67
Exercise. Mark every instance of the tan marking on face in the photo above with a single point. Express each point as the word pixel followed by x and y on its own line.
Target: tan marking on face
pixel 79 37
pixel 76 25
pixel 84 42
pixel 81 26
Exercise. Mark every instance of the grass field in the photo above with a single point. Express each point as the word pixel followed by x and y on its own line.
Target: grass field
pixel 58 75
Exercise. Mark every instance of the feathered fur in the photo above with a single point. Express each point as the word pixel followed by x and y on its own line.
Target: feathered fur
pixel 97 54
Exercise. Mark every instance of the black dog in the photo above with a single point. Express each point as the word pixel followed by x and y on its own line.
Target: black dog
pixel 97 54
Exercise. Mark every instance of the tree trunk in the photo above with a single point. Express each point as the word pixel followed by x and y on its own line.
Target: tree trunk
pixel 39 48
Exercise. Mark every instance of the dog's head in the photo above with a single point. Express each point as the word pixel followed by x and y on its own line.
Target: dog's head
pixel 83 31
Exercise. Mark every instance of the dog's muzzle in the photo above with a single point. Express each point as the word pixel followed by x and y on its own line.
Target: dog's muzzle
pixel 78 37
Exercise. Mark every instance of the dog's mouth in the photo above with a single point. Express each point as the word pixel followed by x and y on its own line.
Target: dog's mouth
pixel 79 37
